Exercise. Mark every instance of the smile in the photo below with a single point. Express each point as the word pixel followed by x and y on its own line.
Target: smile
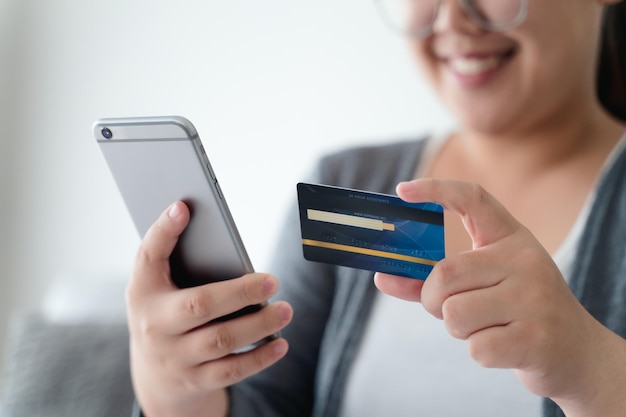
pixel 474 66
pixel 475 70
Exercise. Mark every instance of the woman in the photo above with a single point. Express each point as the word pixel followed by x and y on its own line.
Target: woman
pixel 531 180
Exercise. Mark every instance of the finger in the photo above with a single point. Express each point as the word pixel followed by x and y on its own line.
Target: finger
pixel 237 367
pixel 400 287
pixel 485 219
pixel 152 269
pixel 473 311
pixel 218 340
pixel 450 276
pixel 503 346
pixel 192 307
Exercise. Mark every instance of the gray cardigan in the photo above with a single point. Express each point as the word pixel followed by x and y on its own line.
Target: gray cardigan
pixel 332 303
pixel 82 369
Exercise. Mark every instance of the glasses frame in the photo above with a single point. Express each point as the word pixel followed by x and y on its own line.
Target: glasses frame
pixel 470 12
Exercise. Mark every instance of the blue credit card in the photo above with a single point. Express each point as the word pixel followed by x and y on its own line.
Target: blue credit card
pixel 371 231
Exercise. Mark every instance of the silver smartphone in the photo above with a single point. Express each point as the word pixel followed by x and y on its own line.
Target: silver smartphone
pixel 158 160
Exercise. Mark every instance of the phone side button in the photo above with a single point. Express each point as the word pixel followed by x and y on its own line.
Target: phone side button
pixel 219 190
pixel 208 165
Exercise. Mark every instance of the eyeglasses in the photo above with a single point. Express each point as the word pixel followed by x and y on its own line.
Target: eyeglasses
pixel 417 17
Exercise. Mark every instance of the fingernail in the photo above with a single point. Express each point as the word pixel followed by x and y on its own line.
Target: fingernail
pixel 269 285
pixel 279 348
pixel 284 313
pixel 405 185
pixel 174 211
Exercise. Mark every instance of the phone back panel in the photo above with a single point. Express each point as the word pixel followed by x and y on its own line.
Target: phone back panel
pixel 156 161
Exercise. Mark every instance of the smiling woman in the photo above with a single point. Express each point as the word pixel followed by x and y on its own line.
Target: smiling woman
pixel 533 155
pixel 532 285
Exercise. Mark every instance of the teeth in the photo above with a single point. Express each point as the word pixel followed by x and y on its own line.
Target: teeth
pixel 473 66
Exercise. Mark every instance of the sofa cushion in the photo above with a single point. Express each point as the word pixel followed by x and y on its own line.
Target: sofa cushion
pixel 57 369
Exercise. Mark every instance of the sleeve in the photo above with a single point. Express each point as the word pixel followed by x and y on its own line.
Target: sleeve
pixel 287 388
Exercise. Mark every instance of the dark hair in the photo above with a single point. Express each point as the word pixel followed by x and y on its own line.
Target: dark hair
pixel 611 81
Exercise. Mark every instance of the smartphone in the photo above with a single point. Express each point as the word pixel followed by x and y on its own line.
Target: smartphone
pixel 158 160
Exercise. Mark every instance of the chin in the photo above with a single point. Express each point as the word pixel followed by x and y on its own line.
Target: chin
pixel 488 112
pixel 488 124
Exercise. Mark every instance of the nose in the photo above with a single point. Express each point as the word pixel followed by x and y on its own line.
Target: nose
pixel 452 16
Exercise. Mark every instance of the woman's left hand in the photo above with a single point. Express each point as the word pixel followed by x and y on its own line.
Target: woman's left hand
pixel 508 299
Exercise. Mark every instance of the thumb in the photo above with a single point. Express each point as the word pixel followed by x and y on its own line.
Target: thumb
pixel 152 269
pixel 485 218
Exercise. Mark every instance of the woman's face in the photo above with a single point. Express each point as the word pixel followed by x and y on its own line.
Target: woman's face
pixel 496 82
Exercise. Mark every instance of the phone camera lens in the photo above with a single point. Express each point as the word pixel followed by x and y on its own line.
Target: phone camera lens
pixel 106 133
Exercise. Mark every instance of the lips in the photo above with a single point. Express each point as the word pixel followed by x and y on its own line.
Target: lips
pixel 476 69
pixel 474 66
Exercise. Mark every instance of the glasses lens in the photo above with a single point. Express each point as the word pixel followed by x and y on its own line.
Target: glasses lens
pixel 410 16
pixel 498 14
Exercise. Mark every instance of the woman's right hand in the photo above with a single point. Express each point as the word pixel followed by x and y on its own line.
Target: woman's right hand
pixel 181 363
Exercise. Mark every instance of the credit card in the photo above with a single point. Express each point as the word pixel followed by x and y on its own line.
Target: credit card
pixel 371 231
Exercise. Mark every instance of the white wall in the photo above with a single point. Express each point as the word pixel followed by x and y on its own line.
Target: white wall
pixel 270 85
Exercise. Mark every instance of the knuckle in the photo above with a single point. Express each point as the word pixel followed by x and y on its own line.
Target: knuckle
pixel 258 359
pixel 139 322
pixel 198 304
pixel 145 329
pixel 134 308
pixel 453 318
pixel 494 351
pixel 143 256
pixel 224 340
pixel 246 292
pixel 448 273
pixel 131 295
pixel 477 353
pixel 190 383
pixel 270 321
pixel 483 352
pixel 446 270
pixel 233 372
pixel 479 194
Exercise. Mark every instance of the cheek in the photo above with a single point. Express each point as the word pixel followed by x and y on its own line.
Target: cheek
pixel 426 63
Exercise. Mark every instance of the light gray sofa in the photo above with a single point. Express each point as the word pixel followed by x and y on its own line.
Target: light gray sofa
pixel 56 367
